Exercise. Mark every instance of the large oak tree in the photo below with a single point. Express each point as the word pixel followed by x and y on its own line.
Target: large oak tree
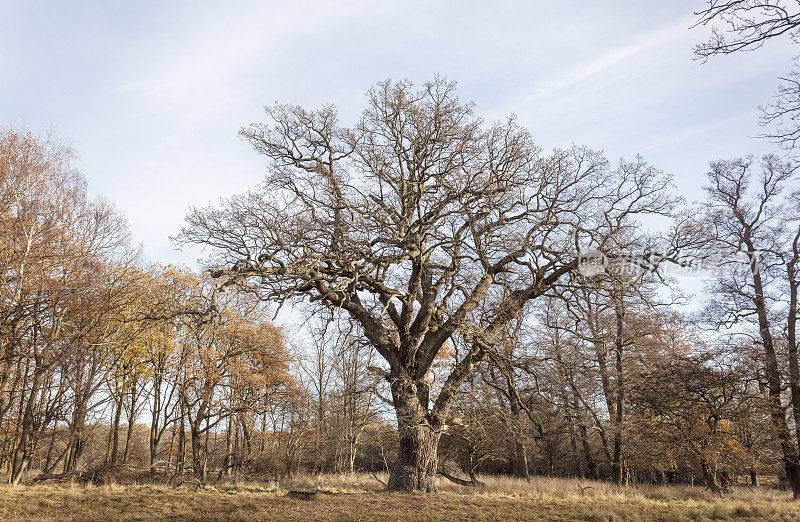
pixel 423 223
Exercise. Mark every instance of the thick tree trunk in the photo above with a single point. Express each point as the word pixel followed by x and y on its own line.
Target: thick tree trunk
pixel 416 459
pixel 521 461
pixel 591 465
pixel 711 481
pixel 76 443
pixel 416 456
pixel 197 461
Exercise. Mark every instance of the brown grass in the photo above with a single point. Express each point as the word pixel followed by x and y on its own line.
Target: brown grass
pixel 361 498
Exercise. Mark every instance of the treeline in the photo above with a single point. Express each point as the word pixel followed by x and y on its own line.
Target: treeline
pixel 91 337
pixel 108 362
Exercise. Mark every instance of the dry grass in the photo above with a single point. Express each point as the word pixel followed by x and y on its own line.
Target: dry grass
pixel 362 498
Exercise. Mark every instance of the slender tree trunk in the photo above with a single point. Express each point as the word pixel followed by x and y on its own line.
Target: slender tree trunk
pixel 790 454
pixel 126 453
pixel 51 446
pixel 791 331
pixel 181 462
pixel 591 465
pixel 156 429
pixel 115 431
pixel 228 462
pixel 27 440
pixel 616 464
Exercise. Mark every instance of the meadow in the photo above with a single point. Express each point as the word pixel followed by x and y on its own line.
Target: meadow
pixel 362 497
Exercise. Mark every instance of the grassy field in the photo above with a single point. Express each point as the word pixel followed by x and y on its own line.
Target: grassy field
pixel 362 498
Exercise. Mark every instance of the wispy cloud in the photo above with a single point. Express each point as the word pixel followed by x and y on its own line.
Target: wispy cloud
pixel 582 74
pixel 152 97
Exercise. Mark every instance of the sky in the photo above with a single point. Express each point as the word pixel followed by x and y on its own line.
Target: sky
pixel 151 96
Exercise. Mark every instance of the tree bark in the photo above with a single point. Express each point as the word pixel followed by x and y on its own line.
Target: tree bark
pixel 711 481
pixel 131 421
pixel 790 455
pixel 197 462
pixel 27 441
pixel 619 345
pixel 417 452
pixel 521 461
pixel 115 431
pixel 791 334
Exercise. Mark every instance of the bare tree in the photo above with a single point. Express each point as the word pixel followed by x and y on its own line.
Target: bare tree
pixel 749 24
pixel 422 224
pixel 747 215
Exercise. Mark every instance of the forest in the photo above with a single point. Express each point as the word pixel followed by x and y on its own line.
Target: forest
pixel 442 288
pixel 420 299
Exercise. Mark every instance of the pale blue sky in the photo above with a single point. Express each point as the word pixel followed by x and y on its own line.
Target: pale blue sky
pixel 152 97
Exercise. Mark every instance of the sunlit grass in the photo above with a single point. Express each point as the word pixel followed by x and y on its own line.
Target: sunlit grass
pixel 363 497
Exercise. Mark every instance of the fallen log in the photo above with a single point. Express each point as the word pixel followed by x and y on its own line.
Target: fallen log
pixel 461 482
pixel 301 494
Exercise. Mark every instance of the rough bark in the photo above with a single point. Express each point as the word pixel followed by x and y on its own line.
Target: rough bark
pixel 417 451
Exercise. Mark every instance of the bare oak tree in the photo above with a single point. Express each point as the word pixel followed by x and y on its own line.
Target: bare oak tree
pixel 422 223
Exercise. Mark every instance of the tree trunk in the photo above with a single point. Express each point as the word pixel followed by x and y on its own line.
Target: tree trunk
pixel 711 481
pixel 591 465
pixel 25 449
pixel 197 462
pixel 181 462
pixel 521 463
pixel 126 453
pixel 416 459
pixel 51 446
pixel 790 452
pixel 156 430
pixel 228 462
pixel 115 431
pixel 76 445
pixel 416 456
pixel 620 396
pixel 791 334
